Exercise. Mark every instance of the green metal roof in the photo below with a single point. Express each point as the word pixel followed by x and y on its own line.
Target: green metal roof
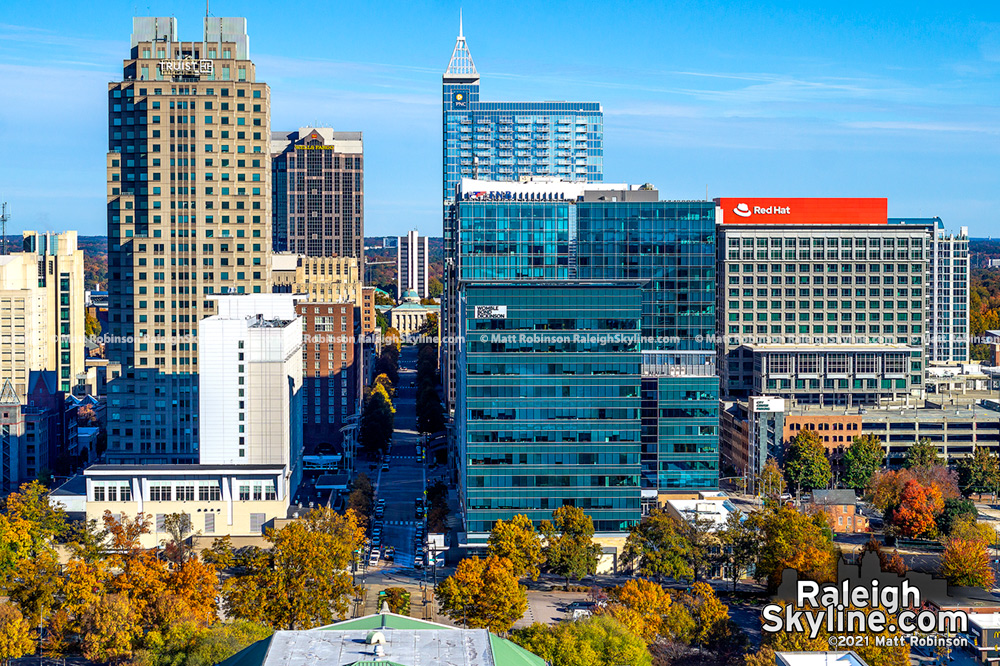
pixel 252 655
pixel 383 621
pixel 512 654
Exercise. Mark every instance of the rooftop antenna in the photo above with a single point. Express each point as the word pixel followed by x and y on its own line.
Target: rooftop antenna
pixel 461 33
pixel 3 228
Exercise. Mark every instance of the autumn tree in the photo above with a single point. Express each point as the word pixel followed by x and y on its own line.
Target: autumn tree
pixel 979 473
pixel 711 616
pixel 806 464
pixel 45 523
pixel 861 460
pixel 517 540
pixel 569 549
pixel 792 540
pixel 179 527
pixel 483 593
pixel 303 580
pixel 923 454
pixel 967 563
pixel 596 641
pixel 362 496
pixel 641 605
pixel 772 479
pixel 110 629
pixel 887 561
pixel 918 507
pixel 15 634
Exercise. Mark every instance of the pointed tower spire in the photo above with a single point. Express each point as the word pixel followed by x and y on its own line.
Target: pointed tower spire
pixel 461 65
pixel 8 396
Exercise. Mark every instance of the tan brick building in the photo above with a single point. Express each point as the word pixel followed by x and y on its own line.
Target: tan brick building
pixel 189 216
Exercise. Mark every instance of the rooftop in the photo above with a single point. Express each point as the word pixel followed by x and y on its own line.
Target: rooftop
pixel 818 659
pixel 835 497
pixel 405 641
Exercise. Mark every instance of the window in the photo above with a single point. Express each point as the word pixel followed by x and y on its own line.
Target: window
pixel 244 493
pixel 808 364
pixel 159 493
pixel 270 493
pixel 185 493
pixel 257 522
pixel 865 363
pixel 98 493
pixel 836 363
pixel 895 363
pixel 210 493
pixel 209 523
pixel 161 521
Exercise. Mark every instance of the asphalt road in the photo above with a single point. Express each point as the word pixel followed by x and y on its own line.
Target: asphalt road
pixel 405 480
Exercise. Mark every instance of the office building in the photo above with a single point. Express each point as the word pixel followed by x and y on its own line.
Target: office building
pixel 41 310
pixel 318 189
pixel 550 231
pixel 820 301
pixel 189 217
pixel 505 141
pixel 320 279
pixel 332 374
pixel 750 432
pixel 251 388
pixel 947 291
pixel 412 262
pixel 11 434
pixel 549 402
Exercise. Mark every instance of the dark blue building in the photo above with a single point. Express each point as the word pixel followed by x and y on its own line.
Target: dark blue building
pixel 507 141
pixel 549 396
pixel 558 232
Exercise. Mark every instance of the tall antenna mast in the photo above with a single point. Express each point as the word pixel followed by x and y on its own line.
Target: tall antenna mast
pixel 3 228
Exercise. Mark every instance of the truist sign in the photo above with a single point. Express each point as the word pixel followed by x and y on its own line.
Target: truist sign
pixel 802 211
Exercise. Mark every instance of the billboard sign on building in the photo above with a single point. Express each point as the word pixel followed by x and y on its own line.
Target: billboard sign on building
pixel 766 404
pixel 783 210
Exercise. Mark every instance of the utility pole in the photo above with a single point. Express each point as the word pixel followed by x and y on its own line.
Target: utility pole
pixel 3 228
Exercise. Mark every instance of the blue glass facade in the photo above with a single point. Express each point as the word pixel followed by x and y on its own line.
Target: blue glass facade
pixel 548 402
pixel 666 247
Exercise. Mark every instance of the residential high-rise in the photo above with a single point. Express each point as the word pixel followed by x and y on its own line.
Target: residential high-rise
pixel 41 310
pixel 555 232
pixel 412 263
pixel 189 217
pixel 505 141
pixel 947 291
pixel 820 301
pixel 319 197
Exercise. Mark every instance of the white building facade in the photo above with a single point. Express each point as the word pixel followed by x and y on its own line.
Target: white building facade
pixel 412 261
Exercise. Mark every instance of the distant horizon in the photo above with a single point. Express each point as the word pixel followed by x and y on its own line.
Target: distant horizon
pixel 832 100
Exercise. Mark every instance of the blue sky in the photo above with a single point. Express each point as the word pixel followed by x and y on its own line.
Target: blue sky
pixel 749 99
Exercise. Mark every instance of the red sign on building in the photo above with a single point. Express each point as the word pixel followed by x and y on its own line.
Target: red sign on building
pixel 768 210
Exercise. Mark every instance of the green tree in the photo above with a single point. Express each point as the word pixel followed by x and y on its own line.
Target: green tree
pixel 435 288
pixel 46 523
pixel 517 540
pixel 923 454
pixel 595 641
pixel 739 542
pixel 483 593
pixel 954 510
pixel 861 460
pixel 569 550
pixel 659 547
pixel 980 473
pixel 398 600
pixel 806 464
pixel 303 580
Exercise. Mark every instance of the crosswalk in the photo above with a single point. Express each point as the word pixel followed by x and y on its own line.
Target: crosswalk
pixel 409 523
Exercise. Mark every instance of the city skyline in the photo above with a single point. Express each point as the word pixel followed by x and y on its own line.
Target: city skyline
pixel 893 103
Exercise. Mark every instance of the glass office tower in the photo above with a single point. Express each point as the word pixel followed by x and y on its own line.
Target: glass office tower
pixel 553 231
pixel 549 390
pixel 669 246
pixel 506 141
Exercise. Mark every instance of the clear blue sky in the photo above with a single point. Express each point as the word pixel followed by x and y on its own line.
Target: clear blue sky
pixel 751 99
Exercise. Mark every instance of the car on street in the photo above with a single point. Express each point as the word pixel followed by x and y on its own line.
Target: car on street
pixel 390 554
pixel 385 467
pixel 588 606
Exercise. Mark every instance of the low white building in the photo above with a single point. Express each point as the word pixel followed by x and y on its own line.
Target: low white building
pixel 250 404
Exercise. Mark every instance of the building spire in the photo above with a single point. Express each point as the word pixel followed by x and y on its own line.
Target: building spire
pixel 461 64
